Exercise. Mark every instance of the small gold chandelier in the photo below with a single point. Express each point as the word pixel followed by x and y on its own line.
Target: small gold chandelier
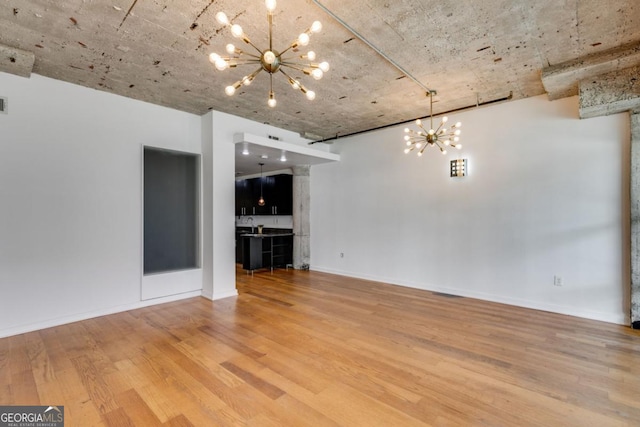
pixel 441 137
pixel 269 60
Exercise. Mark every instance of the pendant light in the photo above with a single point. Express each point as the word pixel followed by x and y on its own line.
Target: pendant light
pixel 261 199
pixel 440 137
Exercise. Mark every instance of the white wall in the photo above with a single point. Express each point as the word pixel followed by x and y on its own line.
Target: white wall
pixel 218 130
pixel 546 194
pixel 70 197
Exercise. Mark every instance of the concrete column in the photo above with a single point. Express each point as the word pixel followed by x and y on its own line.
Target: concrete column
pixel 635 220
pixel 301 217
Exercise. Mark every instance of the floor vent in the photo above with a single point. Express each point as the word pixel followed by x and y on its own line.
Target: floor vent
pixel 3 105
pixel 441 294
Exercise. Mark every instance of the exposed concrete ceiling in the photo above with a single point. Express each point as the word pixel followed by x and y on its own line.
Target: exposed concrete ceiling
pixel 468 51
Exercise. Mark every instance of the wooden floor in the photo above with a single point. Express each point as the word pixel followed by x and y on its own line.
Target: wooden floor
pixel 310 349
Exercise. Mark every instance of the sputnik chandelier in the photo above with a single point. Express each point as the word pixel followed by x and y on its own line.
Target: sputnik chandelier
pixel 269 60
pixel 441 137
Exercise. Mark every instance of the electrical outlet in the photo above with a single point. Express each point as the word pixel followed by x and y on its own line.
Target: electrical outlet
pixel 557 281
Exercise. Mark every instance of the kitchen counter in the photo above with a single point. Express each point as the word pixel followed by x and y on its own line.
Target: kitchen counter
pixel 263 235
pixel 266 250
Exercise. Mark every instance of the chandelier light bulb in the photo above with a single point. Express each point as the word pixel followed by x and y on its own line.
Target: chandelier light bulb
pixel 407 138
pixel 406 130
pixel 303 39
pixel 324 66
pixel 246 80
pixel 456 139
pixel 230 90
pixel 269 57
pixel 311 95
pixel 221 17
pixel 317 73
pixel 458 124
pixel 406 150
pixel 431 131
pixel 444 152
pixel 419 122
pixel 294 84
pixel 420 154
pixel 213 57
pixel 271 5
pixel 457 132
pixel 444 119
pixel 316 27
pixel 418 145
pixel 311 55
pixel 221 64
pixel 236 30
pixel 459 146
pixel 272 100
pixel 231 49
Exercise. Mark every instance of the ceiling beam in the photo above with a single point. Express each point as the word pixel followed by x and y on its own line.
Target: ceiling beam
pixel 561 80
pixel 610 93
pixel 16 61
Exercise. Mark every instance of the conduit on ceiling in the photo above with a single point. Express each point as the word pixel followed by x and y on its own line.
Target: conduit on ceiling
pixel 372 46
pixel 455 110
pixel 399 68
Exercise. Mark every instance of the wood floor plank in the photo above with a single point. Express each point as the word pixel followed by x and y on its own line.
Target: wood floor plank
pixel 255 381
pixel 303 348
pixel 179 421
pixel 136 409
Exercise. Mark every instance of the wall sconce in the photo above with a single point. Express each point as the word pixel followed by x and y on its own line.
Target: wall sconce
pixel 458 167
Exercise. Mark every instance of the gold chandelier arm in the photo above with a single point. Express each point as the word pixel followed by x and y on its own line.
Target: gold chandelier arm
pixel 291 79
pixel 270 19
pixel 257 57
pixel 235 63
pixel 293 82
pixel 293 45
pixel 246 40
pixel 248 79
pixel 294 66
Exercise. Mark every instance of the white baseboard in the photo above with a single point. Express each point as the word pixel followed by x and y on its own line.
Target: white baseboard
pixel 221 295
pixel 16 330
pixel 617 318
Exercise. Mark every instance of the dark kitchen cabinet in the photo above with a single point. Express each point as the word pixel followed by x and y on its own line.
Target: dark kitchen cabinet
pixel 277 191
pixel 283 198
pixel 244 197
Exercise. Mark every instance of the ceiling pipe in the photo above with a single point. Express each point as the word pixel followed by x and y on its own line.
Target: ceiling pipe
pixel 455 110
pixel 368 43
pixel 403 71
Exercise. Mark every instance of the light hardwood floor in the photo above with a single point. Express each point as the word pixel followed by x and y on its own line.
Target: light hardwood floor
pixel 310 349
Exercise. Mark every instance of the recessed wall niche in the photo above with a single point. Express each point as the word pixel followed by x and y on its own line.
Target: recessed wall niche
pixel 171 210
